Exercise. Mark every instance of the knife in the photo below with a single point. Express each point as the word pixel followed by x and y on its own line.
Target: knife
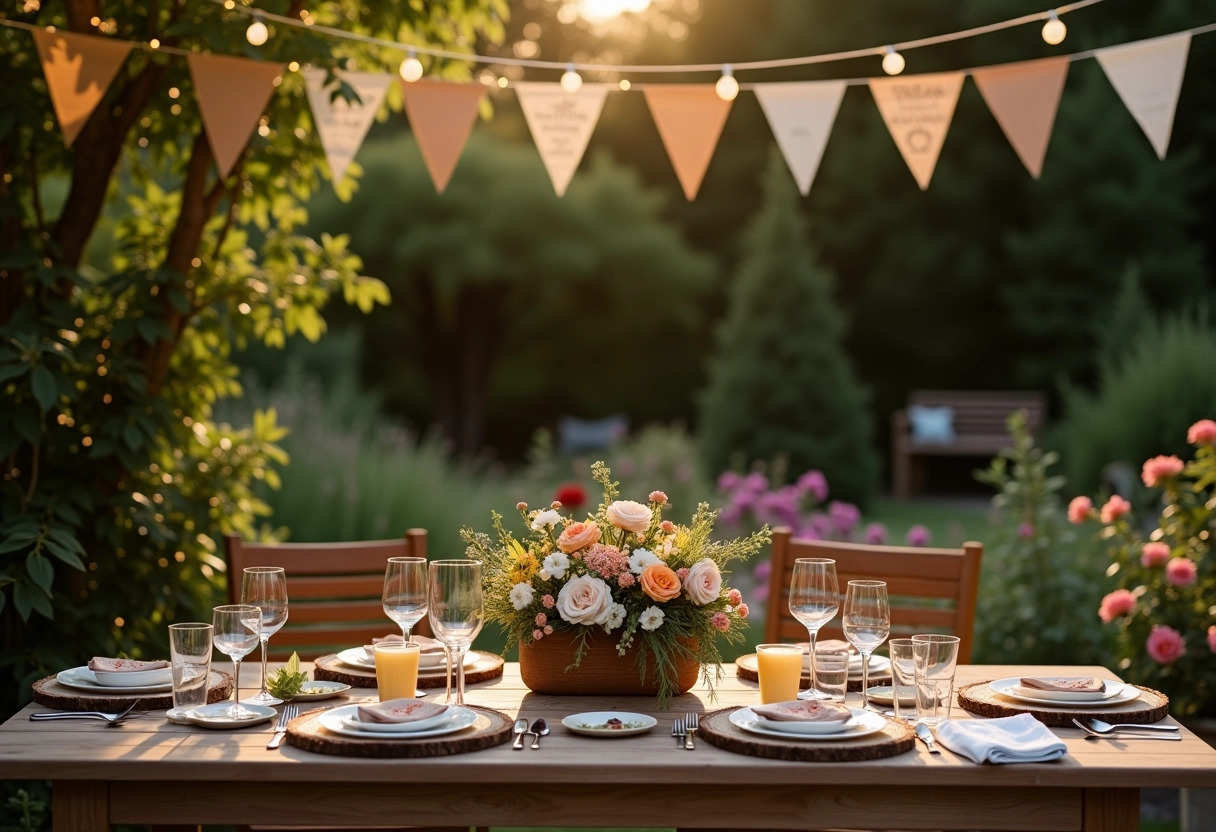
pixel 926 736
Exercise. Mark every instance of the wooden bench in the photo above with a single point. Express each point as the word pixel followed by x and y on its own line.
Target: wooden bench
pixel 977 426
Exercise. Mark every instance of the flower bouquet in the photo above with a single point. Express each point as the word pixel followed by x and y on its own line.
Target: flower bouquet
pixel 652 587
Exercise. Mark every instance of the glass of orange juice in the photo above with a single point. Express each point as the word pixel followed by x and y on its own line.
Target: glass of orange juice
pixel 780 669
pixel 397 670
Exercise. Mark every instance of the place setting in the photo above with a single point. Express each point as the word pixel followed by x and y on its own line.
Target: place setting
pixel 1057 700
pixel 110 684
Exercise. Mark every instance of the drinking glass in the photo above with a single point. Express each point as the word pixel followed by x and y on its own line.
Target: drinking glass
pixel 936 661
pixel 867 621
pixel 903 669
pixel 832 675
pixel 190 654
pixel 814 600
pixel 779 667
pixel 265 587
pixel 237 630
pixel 396 670
pixel 405 592
pixel 456 610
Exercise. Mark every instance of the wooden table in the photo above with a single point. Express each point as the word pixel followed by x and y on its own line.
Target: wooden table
pixel 151 771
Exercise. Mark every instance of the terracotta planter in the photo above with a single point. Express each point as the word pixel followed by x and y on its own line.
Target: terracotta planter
pixel 542 664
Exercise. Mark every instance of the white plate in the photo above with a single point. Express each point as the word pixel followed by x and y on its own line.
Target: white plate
pixel 336 721
pixel 134 678
pixel 81 678
pixel 863 724
pixel 454 712
pixel 879 666
pixel 357 657
pixel 882 695
pixel 1117 693
pixel 1110 688
pixel 320 690
pixel 213 716
pixel 595 723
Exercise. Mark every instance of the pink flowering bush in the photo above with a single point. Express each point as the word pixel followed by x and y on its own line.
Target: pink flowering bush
pixel 1164 606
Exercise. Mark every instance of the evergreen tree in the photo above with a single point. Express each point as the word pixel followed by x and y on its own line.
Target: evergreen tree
pixel 781 384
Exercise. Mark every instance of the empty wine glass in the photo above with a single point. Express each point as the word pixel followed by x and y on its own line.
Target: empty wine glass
pixel 405 592
pixel 236 631
pixel 456 610
pixel 814 600
pixel 265 587
pixel 867 622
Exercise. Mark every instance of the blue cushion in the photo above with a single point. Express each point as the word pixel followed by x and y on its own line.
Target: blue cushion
pixel 931 424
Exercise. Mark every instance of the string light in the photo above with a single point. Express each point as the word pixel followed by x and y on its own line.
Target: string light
pixel 257 33
pixel 892 62
pixel 727 87
pixel 571 80
pixel 1054 29
pixel 411 67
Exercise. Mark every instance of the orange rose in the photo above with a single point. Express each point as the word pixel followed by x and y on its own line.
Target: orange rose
pixel 660 582
pixel 577 536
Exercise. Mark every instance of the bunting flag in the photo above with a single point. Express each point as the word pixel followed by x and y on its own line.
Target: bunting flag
pixel 232 95
pixel 1148 77
pixel 561 123
pixel 801 115
pixel 918 110
pixel 690 118
pixel 342 125
pixel 78 70
pixel 1023 98
pixel 442 117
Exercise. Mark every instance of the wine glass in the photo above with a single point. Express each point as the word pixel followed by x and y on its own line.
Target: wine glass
pixel 456 611
pixel 265 587
pixel 237 630
pixel 814 600
pixel 867 622
pixel 405 591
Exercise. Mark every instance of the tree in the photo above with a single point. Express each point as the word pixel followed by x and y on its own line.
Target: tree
pixel 780 383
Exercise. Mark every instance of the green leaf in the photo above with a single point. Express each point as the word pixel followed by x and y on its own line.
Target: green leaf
pixel 45 388
pixel 40 570
pixel 8 371
pixel 23 600
pixel 64 553
pixel 132 437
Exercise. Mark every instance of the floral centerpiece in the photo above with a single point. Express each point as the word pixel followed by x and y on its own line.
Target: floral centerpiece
pixel 1165 603
pixel 654 588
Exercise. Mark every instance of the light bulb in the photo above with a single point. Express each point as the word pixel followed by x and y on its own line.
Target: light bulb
pixel 892 62
pixel 571 80
pixel 1054 29
pixel 411 68
pixel 257 33
pixel 727 87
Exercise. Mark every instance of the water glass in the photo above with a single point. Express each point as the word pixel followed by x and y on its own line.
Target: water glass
pixel 830 675
pixel 866 623
pixel 265 587
pixel 903 670
pixel 936 659
pixel 190 655
pixel 397 670
pixel 405 591
pixel 456 610
pixel 237 630
pixel 814 600
pixel 780 669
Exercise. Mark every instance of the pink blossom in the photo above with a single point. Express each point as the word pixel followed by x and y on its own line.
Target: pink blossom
pixel 548 602
pixel 1026 531
pixel 919 536
pixel 1181 571
pixel 537 635
pixel 667 527
pixel 682 573
pixel 658 497
pixel 1165 644
pixel 1154 554
pixel 1120 602
pixel 541 618
pixel 1212 638
pixel 875 534
pixel 1115 508
pixel 606 560
pixel 1160 468
pixel 625 579
pixel 1202 432
pixel 548 629
pixel 729 481
pixel 720 621
pixel 734 597
pixel 815 483
pixel 1079 509
pixel 743 611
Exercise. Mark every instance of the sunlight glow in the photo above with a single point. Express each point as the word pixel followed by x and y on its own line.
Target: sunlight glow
pixel 601 10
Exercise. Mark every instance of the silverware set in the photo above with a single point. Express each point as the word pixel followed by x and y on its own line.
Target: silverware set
pixel 111 720
pixel 286 715
pixel 683 729
pixel 538 729
pixel 1097 729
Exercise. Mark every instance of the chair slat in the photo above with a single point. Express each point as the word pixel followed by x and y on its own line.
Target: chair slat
pixel 342 586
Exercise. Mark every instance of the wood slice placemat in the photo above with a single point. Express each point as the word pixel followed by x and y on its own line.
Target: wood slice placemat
pixel 332 669
pixel 895 738
pixel 49 692
pixel 491 728
pixel 745 668
pixel 981 700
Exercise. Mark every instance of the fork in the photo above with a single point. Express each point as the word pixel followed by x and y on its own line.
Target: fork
pixel 691 723
pixel 679 732
pixel 1094 735
pixel 110 719
pixel 286 715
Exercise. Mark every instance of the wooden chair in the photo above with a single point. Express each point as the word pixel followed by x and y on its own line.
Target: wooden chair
pixel 930 590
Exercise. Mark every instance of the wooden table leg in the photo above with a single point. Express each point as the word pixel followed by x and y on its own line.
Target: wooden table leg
pixel 80 805
pixel 1111 810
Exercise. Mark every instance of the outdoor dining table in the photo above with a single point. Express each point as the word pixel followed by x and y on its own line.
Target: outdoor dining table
pixel 152 771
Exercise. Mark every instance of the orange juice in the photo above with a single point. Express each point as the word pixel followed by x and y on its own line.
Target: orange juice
pixel 780 669
pixel 397 670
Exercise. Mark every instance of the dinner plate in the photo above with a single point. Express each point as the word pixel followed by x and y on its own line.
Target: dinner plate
pixel 862 724
pixel 134 678
pixel 883 695
pixel 596 723
pixel 1110 688
pixel 214 716
pixel 454 712
pixel 879 666
pixel 320 690
pixel 357 657
pixel 336 721
pixel 1117 694
pixel 81 678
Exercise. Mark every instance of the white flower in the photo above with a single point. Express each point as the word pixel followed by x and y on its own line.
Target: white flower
pixel 585 600
pixel 544 576
pixel 704 582
pixel 640 559
pixel 548 517
pixel 521 595
pixel 556 565
pixel 616 617
pixel 628 515
pixel 651 618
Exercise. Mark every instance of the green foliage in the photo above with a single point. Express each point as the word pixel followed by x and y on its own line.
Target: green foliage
pixel 288 681
pixel 780 383
pixel 25 809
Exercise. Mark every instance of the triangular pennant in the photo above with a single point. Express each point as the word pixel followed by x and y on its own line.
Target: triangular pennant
pixel 78 69
pixel 341 124
pixel 918 110
pixel 561 123
pixel 1148 77
pixel 1023 98
pixel 801 116
pixel 232 95
pixel 690 118
pixel 442 116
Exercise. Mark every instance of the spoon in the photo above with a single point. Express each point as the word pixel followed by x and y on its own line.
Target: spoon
pixel 521 727
pixel 1091 734
pixel 539 729
pixel 1106 728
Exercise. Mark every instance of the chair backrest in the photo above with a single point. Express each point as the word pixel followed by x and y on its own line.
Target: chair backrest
pixel 930 590
pixel 333 590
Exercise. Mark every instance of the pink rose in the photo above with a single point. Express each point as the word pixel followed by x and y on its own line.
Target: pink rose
pixel 1165 644
pixel 628 515
pixel 1202 432
pixel 1160 468
pixel 548 601
pixel 720 621
pixel 548 629
pixel 1181 571
pixel 704 582
pixel 1212 638
pixel 734 597
pixel 1079 509
pixel 742 611
pixel 658 497
pixel 1120 602
pixel 578 536
pixel 537 635
pixel 1115 508
pixel 682 572
pixel 541 618
pixel 1154 554
pixel 585 600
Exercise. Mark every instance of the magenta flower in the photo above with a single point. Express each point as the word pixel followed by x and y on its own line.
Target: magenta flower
pixel 756 482
pixel 1154 554
pixel 875 534
pixel 918 535
pixel 1181 571
pixel 1160 468
pixel 1026 531
pixel 728 481
pixel 814 483
pixel 1115 508
pixel 844 517
pixel 1202 432
pixel 1079 510
pixel 1117 603
pixel 1165 644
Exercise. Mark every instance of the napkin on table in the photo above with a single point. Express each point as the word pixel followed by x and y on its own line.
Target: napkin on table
pixel 400 711
pixel 1065 684
pixel 108 665
pixel 1009 739
pixel 803 710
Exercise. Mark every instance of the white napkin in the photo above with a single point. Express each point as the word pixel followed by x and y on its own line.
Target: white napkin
pixel 1010 739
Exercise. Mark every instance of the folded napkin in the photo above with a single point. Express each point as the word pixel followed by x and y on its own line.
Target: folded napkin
pixel 1009 739
pixel 1065 684
pixel 107 665
pixel 803 710
pixel 400 711
pixel 425 645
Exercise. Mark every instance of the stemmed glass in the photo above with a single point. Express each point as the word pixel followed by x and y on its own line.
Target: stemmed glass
pixel 867 622
pixel 814 600
pixel 265 587
pixel 405 591
pixel 456 610
pixel 236 629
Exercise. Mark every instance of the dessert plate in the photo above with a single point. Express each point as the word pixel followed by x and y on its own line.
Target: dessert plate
pixel 81 678
pixel 454 712
pixel 1117 693
pixel 320 690
pixel 609 723
pixel 862 724
pixel 884 695
pixel 339 721
pixel 215 716
pixel 357 657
